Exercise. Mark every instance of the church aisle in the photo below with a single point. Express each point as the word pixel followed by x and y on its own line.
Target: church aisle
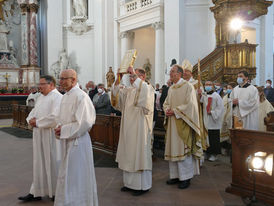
pixel 205 190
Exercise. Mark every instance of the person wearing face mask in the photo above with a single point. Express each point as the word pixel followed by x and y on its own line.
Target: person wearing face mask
pixel 101 101
pixel 213 109
pixel 269 91
pixel 219 89
pixel 245 101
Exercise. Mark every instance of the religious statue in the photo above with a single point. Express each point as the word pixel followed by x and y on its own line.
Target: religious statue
pixel 110 77
pixel 63 60
pixel 80 8
pixel 61 64
pixel 147 68
pixel 3 37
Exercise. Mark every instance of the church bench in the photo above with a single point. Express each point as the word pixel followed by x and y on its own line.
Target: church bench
pixel 269 121
pixel 104 133
pixel 245 143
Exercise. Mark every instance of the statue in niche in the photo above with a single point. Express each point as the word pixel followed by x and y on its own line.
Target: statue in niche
pixel 63 60
pixel 3 37
pixel 80 8
pixel 147 68
pixel 110 76
pixel 61 64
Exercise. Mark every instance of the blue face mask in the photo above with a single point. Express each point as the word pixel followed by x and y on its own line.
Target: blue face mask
pixel 217 87
pixel 208 88
pixel 228 91
pixel 240 80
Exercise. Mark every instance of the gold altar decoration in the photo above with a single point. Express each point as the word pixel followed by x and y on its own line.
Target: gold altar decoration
pixel 128 60
pixel 225 10
pixel 224 63
pixel 6 76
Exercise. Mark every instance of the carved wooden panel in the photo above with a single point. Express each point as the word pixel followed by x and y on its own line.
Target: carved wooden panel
pixel 245 143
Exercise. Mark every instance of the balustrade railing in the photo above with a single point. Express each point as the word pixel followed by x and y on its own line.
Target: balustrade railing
pixel 134 5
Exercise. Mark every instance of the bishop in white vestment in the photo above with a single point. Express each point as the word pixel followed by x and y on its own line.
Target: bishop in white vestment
pixel 76 184
pixel 45 146
pixel 136 103
pixel 245 100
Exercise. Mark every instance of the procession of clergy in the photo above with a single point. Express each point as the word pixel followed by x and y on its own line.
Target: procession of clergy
pixel 197 119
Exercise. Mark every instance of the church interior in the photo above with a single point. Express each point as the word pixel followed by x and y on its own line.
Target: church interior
pixel 219 39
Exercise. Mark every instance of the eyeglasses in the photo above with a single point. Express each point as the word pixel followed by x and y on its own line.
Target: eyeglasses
pixel 65 78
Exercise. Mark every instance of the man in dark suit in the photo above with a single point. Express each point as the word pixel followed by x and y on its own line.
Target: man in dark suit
pixel 101 101
pixel 164 93
pixel 269 91
pixel 93 89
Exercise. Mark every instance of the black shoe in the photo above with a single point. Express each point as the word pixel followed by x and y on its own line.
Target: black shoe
pixel 126 189
pixel 184 184
pixel 53 198
pixel 173 181
pixel 139 192
pixel 29 198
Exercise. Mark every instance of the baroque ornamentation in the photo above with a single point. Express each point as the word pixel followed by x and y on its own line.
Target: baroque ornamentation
pixel 158 25
pixel 79 26
pixel 127 34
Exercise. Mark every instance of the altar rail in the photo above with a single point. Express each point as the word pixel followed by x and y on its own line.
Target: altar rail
pixel 6 102
pixel 104 133
pixel 245 143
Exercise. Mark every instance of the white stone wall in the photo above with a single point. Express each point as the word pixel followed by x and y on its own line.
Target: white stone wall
pixel 144 42
pixel 53 33
pixel 188 32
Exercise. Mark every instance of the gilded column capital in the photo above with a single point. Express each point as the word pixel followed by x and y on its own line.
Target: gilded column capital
pixel 24 7
pixel 158 25
pixel 127 34
pixel 34 7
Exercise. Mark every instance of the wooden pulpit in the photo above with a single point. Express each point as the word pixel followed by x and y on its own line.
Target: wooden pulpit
pixel 245 143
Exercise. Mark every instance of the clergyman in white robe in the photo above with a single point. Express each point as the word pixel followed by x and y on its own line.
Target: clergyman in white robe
pixel 264 108
pixel 46 151
pixel 76 184
pixel 247 109
pixel 136 103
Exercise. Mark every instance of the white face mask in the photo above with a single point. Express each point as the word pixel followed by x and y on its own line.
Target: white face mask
pixel 267 85
pixel 100 90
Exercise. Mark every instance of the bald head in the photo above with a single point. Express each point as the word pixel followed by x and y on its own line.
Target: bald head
pixel 68 79
pixel 70 73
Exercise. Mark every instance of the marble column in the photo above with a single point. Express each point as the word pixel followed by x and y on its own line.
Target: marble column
pixel 24 34
pixel 126 42
pixel 33 55
pixel 159 70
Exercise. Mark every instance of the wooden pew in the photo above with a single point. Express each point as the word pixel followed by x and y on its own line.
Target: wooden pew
pixel 245 143
pixel 104 133
pixel 269 122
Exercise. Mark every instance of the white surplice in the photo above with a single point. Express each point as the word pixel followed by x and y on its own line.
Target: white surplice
pixel 248 107
pixel 264 108
pixel 32 99
pixel 135 141
pixel 46 149
pixel 76 184
pixel 213 121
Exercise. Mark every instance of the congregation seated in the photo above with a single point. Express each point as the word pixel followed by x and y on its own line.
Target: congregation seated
pixel 101 101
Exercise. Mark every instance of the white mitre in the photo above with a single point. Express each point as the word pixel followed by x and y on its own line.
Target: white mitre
pixel 186 65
